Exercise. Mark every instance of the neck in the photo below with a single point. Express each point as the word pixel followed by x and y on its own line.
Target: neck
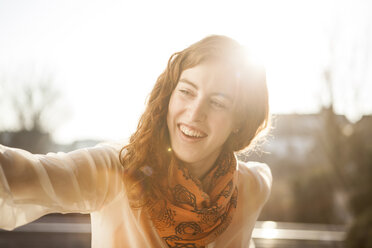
pixel 200 168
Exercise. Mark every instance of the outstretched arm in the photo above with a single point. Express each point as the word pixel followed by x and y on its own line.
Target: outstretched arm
pixel 32 185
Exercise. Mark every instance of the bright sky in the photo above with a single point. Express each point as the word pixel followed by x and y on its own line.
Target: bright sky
pixel 105 55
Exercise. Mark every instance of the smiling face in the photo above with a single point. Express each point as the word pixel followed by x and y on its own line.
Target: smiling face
pixel 200 115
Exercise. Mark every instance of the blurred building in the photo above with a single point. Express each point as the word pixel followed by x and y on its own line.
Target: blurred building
pixel 296 136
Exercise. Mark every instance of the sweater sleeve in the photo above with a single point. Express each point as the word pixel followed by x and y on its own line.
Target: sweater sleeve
pixel 33 185
pixel 258 187
pixel 261 181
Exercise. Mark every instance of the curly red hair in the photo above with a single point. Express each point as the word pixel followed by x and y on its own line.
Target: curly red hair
pixel 146 157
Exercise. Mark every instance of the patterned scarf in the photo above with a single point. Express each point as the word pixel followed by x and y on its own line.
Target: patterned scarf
pixel 197 212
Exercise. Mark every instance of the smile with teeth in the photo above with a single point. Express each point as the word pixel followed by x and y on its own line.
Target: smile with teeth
pixel 191 132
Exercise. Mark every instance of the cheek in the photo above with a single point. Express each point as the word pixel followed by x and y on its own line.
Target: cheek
pixel 222 125
pixel 175 106
pixel 228 123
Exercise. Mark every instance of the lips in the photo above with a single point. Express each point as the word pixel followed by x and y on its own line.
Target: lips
pixel 191 132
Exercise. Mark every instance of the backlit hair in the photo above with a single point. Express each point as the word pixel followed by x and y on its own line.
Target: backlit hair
pixel 146 157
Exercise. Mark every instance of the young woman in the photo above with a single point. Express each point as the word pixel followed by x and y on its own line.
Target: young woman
pixel 177 183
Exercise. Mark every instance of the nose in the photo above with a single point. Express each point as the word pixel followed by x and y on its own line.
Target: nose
pixel 197 110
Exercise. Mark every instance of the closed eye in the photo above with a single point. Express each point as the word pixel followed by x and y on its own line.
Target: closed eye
pixel 186 92
pixel 218 104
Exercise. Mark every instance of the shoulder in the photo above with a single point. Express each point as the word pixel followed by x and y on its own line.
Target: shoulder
pixel 255 179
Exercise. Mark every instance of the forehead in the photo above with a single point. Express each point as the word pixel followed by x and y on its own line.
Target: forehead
pixel 216 77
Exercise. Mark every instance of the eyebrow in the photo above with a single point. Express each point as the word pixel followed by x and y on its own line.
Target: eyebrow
pixel 184 80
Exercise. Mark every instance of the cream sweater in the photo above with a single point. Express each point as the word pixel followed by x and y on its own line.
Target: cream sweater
pixel 90 181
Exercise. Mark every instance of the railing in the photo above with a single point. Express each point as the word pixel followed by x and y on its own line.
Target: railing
pixel 282 234
pixel 75 232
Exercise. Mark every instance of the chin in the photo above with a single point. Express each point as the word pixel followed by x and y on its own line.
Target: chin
pixel 187 157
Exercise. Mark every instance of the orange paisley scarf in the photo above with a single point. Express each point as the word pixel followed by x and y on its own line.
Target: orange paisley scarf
pixel 197 212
